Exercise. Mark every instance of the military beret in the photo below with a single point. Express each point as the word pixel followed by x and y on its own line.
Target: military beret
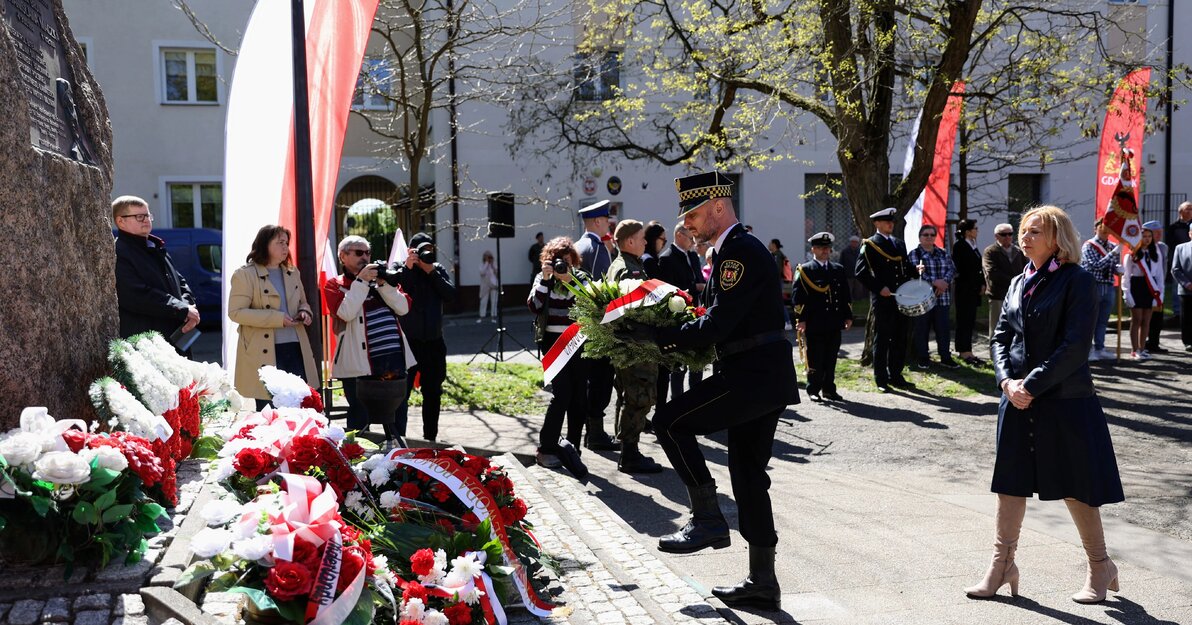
pixel 696 189
pixel 886 214
pixel 821 239
pixel 592 211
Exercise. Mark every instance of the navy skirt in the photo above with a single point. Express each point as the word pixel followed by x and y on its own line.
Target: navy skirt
pixel 1057 448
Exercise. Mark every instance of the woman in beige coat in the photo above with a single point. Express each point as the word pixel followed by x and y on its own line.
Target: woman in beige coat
pixel 269 303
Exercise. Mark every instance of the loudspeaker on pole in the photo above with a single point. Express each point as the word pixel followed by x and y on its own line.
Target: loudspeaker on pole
pixel 500 216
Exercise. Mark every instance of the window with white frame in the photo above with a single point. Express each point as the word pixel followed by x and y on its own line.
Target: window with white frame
pixel 374 86
pixel 189 76
pixel 196 204
pixel 597 75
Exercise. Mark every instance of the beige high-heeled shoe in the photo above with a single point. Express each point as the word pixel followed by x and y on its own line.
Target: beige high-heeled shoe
pixel 1102 572
pixel 1003 570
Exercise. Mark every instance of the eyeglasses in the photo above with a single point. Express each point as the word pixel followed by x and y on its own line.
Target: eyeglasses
pixel 140 217
pixel 927 234
pixel 359 253
pixel 1004 234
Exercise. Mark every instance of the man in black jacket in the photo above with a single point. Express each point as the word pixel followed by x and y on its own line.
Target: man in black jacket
pixel 429 287
pixel 674 267
pixel 152 295
pixel 970 286
pixel 883 266
pixel 822 306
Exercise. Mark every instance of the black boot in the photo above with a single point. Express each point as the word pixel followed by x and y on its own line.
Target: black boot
pixel 632 461
pixel 707 527
pixel 596 439
pixel 760 589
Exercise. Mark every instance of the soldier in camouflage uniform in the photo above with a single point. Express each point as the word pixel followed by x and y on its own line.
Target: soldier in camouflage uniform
pixel 637 387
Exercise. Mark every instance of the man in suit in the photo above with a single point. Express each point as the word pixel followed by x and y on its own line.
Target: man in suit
pixel 883 266
pixel 1001 261
pixel 150 293
pixel 822 308
pixel 1181 272
pixel 595 260
pixel 1175 235
pixel 753 382
pixel 674 267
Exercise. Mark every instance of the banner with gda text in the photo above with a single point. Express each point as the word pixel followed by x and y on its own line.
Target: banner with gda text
pixel 1125 120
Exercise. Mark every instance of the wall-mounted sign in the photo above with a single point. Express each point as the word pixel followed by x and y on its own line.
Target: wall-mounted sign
pixel 589 186
pixel 614 185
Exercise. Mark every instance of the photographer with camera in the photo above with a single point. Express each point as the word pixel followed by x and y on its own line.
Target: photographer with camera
pixel 365 303
pixel 550 302
pixel 429 287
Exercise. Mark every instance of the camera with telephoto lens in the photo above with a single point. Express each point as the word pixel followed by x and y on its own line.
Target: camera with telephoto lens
pixel 561 266
pixel 426 253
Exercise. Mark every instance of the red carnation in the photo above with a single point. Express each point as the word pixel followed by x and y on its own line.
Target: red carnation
pixel 499 484
pixel 408 621
pixel 471 521
pixel 341 477
pixel 446 525
pixel 409 490
pixel 349 534
pixel 251 463
pixel 353 562
pixel 476 465
pixel 700 311
pixel 352 451
pixel 514 512
pixel 422 562
pixel 414 590
pixel 307 554
pixel 288 580
pixel 440 492
pixel 458 614
pixel 314 401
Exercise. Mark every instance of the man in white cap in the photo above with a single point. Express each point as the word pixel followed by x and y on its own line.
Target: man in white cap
pixel 882 267
pixel 595 260
pixel 822 308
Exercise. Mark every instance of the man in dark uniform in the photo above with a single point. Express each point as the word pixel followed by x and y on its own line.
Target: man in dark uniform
pixel 595 259
pixel 882 267
pixel 822 306
pixel 753 382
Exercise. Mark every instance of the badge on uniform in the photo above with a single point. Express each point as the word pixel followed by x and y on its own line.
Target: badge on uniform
pixel 730 273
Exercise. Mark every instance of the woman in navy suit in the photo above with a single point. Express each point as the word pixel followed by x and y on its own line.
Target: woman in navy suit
pixel 1052 438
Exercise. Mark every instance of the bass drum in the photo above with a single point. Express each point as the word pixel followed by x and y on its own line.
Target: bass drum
pixel 915 298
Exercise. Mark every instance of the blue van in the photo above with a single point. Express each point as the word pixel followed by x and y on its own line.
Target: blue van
pixel 198 256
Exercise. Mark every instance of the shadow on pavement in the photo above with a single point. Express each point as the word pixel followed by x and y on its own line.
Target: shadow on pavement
pixel 887 414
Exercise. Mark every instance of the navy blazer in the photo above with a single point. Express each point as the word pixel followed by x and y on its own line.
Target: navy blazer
pixel 674 267
pixel 1047 342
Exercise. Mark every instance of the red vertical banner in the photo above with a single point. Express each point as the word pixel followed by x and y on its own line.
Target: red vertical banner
pixel 1125 121
pixel 935 195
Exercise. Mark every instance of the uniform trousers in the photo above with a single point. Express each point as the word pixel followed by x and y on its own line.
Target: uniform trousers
pixel 889 340
pixel 430 372
pixel 716 405
pixel 823 347
pixel 637 389
pixel 672 381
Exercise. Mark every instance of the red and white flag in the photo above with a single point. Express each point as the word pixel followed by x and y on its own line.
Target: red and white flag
pixel 931 209
pixel 259 184
pixel 561 352
pixel 649 293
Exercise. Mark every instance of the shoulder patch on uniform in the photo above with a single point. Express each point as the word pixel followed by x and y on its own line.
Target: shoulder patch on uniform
pixel 730 273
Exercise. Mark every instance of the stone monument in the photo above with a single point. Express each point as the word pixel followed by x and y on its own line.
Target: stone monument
pixel 58 308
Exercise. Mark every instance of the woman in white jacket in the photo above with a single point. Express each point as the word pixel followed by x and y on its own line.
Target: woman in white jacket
pixel 1142 289
pixel 488 288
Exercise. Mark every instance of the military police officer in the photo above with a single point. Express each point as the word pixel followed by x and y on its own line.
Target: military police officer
pixel 883 266
pixel 753 382
pixel 823 308
pixel 595 259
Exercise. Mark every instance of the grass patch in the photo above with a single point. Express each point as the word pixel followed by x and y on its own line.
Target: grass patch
pixel 510 390
pixel 966 381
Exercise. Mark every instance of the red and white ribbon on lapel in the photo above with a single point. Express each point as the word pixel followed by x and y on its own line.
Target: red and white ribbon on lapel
pixel 649 293
pixel 477 498
pixel 560 353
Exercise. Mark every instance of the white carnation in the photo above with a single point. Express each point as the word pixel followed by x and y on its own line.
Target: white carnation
pixel 389 499
pixel 434 617
pixel 467 566
pixel 287 389
pixel 21 448
pixel 220 511
pixel 159 394
pixel 254 548
pixel 108 458
pixel 472 595
pixel 224 468
pixel 355 502
pixel 379 475
pixel 62 467
pixel 210 542
pixel 334 434
pixel 413 610
pixel 175 367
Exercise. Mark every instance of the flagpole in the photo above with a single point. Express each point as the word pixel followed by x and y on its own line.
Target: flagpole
pixel 303 184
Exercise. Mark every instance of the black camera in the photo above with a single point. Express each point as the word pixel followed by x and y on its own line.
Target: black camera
pixel 561 266
pixel 386 274
pixel 426 253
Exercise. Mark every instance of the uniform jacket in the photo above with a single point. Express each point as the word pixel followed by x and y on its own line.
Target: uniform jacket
pixel 627 267
pixel 884 263
pixel 820 297
pixel 150 292
pixel 1181 267
pixel 345 297
pixel 1047 342
pixel 674 267
pixel 744 297
pixel 427 293
pixel 1001 269
pixel 970 277
pixel 256 306
pixel 594 257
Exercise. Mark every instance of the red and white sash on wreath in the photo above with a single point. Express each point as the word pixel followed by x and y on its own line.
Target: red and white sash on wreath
pixel 649 293
pixel 559 354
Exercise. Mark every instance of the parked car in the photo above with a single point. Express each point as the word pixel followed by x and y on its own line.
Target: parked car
pixel 198 255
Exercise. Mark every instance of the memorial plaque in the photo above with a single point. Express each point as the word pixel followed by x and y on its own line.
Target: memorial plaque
pixel 36 35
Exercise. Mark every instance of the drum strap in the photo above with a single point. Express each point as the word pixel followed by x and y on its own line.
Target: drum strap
pixel 870 244
pixel 811 285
